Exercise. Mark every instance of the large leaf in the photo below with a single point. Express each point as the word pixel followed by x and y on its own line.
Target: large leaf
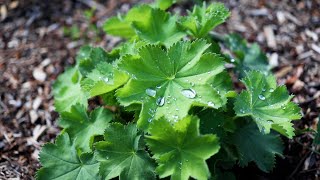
pixel 267 104
pixel 62 161
pixel 255 146
pixel 247 57
pixel 82 126
pixel 203 19
pixel 180 150
pixel 123 154
pixel 67 90
pixel 168 83
pixel 103 79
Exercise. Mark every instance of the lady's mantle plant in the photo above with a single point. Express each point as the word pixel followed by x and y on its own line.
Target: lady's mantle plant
pixel 175 113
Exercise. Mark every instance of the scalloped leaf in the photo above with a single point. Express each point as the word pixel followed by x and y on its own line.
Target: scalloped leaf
pixel 267 104
pixel 180 150
pixel 255 146
pixel 123 154
pixel 168 83
pixel 203 19
pixel 67 90
pixel 62 161
pixel 82 126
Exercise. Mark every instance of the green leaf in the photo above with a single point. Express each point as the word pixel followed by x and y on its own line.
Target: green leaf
pixel 267 104
pixel 164 4
pixel 67 90
pixel 88 57
pixel 203 19
pixel 62 161
pixel 255 146
pixel 103 79
pixel 247 57
pixel 123 154
pixel 316 140
pixel 118 26
pixel 82 126
pixel 157 26
pixel 180 150
pixel 168 83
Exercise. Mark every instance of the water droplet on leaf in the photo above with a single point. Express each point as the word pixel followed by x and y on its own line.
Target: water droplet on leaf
pixel 151 92
pixel 261 97
pixel 189 93
pixel 160 101
pixel 271 90
pixel 210 104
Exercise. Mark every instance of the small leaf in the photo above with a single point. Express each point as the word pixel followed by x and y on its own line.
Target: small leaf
pixel 316 140
pixel 158 26
pixel 164 4
pixel 168 83
pixel 88 57
pixel 103 79
pixel 118 26
pixel 123 154
pixel 255 146
pixel 61 161
pixel 267 104
pixel 247 57
pixel 180 150
pixel 82 126
pixel 203 19
pixel 67 90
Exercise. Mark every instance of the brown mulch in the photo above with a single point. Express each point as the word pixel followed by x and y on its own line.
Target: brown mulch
pixel 34 50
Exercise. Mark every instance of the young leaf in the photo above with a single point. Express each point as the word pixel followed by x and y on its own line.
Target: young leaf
pixel 62 161
pixel 119 26
pixel 123 154
pixel 255 146
pixel 103 79
pixel 202 20
pixel 168 83
pixel 89 57
pixel 158 26
pixel 180 150
pixel 267 104
pixel 164 4
pixel 67 90
pixel 82 126
pixel 247 57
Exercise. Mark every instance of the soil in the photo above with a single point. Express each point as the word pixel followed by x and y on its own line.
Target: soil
pixel 35 47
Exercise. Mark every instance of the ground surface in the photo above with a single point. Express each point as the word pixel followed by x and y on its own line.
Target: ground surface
pixel 35 49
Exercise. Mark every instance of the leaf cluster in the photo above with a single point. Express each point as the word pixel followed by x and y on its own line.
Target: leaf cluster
pixel 169 107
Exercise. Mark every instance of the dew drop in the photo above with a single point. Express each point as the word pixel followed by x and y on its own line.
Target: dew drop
pixel 177 109
pixel 261 97
pixel 232 60
pixel 150 120
pixel 158 87
pixel 192 84
pixel 210 104
pixel 106 80
pixel 242 111
pixel 263 89
pixel 189 93
pixel 151 92
pixel 271 90
pixel 160 101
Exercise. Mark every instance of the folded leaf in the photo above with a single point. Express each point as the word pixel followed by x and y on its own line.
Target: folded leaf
pixel 67 90
pixel 123 154
pixel 168 83
pixel 255 146
pixel 62 161
pixel 82 126
pixel 267 104
pixel 180 150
